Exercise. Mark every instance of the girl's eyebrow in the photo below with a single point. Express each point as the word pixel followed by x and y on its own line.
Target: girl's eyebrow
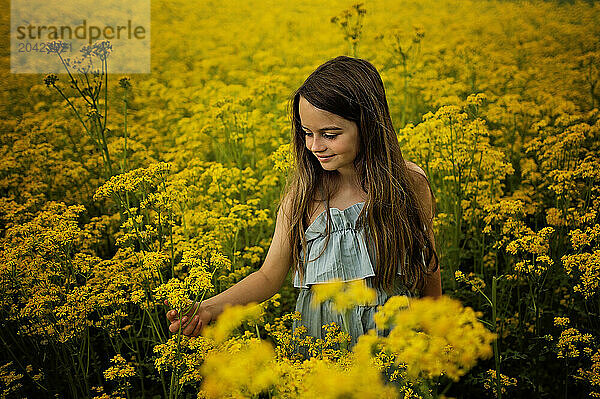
pixel 325 128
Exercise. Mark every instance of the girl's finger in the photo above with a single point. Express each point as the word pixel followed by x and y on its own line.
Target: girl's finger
pixel 174 326
pixel 191 327
pixel 172 315
pixel 185 321
pixel 197 330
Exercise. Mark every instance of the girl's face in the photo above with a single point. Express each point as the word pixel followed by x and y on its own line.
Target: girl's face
pixel 332 139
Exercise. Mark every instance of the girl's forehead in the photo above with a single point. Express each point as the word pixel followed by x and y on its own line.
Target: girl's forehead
pixel 311 115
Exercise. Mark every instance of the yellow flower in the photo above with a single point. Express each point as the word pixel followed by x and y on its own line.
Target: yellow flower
pixel 344 295
pixel 490 382
pixel 358 376
pixel 119 370
pixel 133 180
pixel 476 283
pixel 175 292
pixel 231 318
pixel 460 276
pixel 592 374
pixel 561 321
pixel 476 99
pixel 585 266
pixel 386 314
pixel 198 280
pixel 569 341
pixel 437 336
pixel 243 372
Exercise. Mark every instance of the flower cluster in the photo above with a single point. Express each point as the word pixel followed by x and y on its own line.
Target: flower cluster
pixel 476 283
pixel 490 382
pixel 437 336
pixel 343 295
pixel 120 369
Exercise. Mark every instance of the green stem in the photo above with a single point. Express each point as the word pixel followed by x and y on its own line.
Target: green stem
pixel 105 67
pixel 156 330
pixel 19 363
pixel 496 354
pixel 124 165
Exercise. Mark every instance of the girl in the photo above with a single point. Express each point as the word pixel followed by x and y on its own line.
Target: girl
pixel 354 209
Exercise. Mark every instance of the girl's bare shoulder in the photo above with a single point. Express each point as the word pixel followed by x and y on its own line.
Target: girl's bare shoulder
pixel 422 186
pixel 415 168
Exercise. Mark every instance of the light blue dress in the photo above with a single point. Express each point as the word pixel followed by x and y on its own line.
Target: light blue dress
pixel 346 257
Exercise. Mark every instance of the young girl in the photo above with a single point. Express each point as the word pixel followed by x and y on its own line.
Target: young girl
pixel 353 206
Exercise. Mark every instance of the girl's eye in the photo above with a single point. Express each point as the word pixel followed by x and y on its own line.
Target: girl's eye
pixel 327 136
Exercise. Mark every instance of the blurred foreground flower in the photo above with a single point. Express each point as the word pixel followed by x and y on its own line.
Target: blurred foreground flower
pixel 344 295
pixel 353 377
pixel 239 372
pixel 230 319
pixel 433 337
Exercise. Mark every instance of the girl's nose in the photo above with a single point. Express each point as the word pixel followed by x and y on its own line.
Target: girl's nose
pixel 317 145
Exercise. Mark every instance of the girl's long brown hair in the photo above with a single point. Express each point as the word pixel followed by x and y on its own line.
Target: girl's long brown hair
pixel 352 88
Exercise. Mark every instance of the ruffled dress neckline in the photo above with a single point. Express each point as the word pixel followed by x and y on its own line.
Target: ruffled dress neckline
pixel 347 256
pixel 324 213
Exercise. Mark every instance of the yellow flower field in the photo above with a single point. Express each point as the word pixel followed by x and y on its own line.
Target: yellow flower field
pixel 168 190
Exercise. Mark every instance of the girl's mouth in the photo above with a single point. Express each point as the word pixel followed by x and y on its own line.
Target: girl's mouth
pixel 324 158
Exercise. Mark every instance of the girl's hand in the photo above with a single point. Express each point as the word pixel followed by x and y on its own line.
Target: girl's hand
pixel 192 325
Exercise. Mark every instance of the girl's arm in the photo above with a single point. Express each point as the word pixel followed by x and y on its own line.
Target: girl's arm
pixel 433 281
pixel 256 287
